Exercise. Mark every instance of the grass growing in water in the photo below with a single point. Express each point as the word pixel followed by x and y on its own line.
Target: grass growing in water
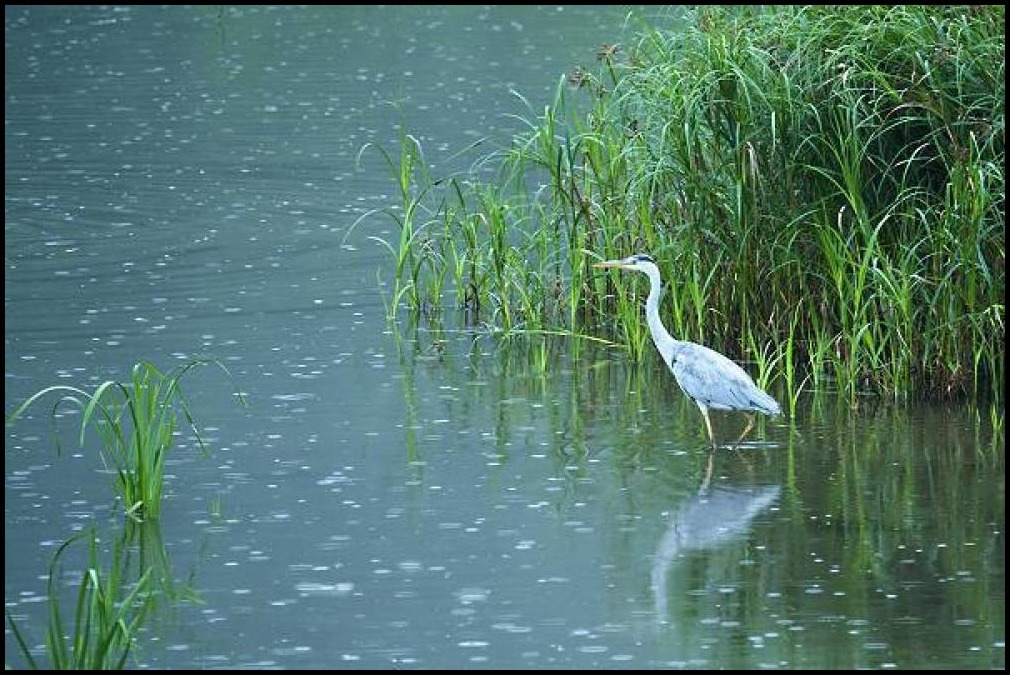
pixel 135 422
pixel 823 187
pixel 107 613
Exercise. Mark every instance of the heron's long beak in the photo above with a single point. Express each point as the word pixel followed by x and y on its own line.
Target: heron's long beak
pixel 611 263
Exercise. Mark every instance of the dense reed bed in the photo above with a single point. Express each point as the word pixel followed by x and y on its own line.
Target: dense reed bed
pixel 822 186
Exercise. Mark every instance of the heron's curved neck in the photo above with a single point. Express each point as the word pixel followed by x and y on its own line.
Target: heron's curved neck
pixel 659 333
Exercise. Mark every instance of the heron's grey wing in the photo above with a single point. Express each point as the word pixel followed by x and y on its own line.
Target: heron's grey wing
pixel 716 381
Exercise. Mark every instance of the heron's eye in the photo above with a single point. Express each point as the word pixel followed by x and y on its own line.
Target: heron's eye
pixel 642 257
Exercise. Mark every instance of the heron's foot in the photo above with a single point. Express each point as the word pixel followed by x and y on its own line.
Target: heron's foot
pixel 746 430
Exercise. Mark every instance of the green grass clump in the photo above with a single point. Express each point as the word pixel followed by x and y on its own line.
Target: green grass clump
pixel 135 422
pixel 822 185
pixel 107 613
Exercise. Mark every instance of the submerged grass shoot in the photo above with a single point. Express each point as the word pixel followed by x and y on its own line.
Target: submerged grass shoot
pixel 107 613
pixel 135 422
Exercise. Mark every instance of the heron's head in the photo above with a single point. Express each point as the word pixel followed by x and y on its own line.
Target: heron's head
pixel 640 262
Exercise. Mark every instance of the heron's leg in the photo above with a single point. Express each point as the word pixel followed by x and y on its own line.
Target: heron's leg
pixel 708 424
pixel 708 472
pixel 746 429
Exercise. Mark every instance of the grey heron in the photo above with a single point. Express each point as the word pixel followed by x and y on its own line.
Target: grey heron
pixel 711 380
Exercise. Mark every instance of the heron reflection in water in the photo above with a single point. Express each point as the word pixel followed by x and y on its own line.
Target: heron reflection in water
pixel 709 519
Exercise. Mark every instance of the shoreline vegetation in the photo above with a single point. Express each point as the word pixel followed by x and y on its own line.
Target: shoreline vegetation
pixel 823 188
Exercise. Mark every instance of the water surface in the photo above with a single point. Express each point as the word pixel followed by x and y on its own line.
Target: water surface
pixel 188 182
